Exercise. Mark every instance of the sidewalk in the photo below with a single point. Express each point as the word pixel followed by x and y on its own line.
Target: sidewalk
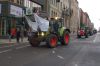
pixel 13 41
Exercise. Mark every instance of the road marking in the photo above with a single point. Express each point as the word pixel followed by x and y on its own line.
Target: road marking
pixel 9 57
pixel 76 65
pixel 53 52
pixel 5 51
pixel 60 57
pixel 54 48
pixel 96 38
pixel 22 47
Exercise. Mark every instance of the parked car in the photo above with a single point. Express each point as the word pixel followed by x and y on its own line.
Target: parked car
pixel 94 31
pixel 90 32
pixel 82 32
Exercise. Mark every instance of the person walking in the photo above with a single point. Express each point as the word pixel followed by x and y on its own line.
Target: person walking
pixel 29 33
pixel 22 34
pixel 18 35
pixel 9 34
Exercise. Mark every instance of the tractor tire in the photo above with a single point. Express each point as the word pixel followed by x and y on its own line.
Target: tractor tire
pixel 65 38
pixel 86 36
pixel 78 36
pixel 52 41
pixel 34 42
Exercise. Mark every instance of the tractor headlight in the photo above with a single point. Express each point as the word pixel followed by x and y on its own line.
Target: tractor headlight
pixel 42 34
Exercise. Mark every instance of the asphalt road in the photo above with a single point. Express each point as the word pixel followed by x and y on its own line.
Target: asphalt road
pixel 80 52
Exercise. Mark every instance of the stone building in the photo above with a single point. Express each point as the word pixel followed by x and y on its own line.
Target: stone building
pixel 31 5
pixel 75 18
pixel 85 20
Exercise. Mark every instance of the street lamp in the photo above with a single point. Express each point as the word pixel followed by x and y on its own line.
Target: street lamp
pixel 56 18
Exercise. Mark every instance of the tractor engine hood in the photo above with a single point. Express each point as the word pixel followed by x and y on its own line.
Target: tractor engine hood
pixel 43 24
pixel 39 22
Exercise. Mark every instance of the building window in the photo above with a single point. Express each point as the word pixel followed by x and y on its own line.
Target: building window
pixel 29 3
pixel 61 5
pixel 21 2
pixel 18 1
pixel 56 14
pixel 51 1
pixel 54 2
pixel 51 13
pixel 11 0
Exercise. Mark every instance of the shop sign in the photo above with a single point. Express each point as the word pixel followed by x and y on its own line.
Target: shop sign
pixel 17 11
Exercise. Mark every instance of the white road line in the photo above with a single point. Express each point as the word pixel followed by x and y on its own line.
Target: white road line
pixel 22 47
pixel 76 65
pixel 5 51
pixel 95 39
pixel 60 57
pixel 53 52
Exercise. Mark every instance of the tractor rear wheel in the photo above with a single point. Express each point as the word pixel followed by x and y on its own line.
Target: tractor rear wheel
pixel 65 38
pixel 86 36
pixel 52 41
pixel 78 36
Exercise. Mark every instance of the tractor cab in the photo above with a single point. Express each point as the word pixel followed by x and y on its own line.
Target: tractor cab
pixel 55 24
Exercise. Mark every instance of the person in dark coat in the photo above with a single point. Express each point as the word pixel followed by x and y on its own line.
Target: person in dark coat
pixel 9 34
pixel 18 35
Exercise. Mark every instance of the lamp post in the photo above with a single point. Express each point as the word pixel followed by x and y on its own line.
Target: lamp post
pixel 63 16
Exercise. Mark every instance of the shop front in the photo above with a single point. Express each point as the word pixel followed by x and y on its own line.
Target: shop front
pixel 10 18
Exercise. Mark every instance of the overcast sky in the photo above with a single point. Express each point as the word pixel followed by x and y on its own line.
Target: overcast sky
pixel 93 9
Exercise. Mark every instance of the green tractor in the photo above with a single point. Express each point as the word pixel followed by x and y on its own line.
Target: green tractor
pixel 55 31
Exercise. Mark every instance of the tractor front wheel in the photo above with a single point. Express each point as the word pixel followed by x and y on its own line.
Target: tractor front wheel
pixel 52 41
pixel 65 38
pixel 34 42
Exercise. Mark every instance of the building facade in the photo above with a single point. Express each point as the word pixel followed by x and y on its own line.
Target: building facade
pixel 11 12
pixel 19 2
pixel 75 18
pixel 31 6
pixel 85 20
